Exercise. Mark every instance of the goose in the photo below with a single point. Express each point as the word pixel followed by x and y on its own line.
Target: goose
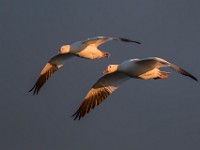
pixel 114 74
pixel 85 49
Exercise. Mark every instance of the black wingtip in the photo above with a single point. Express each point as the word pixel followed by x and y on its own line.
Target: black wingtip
pixel 127 40
pixel 195 79
pixel 35 91
pixel 191 76
pixel 31 89
pixel 183 72
pixel 75 116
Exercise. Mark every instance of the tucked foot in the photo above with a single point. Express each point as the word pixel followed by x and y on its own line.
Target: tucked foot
pixel 162 75
pixel 106 54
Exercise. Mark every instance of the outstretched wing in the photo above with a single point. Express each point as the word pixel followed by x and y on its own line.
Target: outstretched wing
pixel 99 92
pixel 183 72
pixel 176 68
pixel 159 62
pixel 53 65
pixel 96 41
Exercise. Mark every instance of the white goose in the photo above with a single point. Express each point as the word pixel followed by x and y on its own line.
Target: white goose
pixel 85 49
pixel 146 68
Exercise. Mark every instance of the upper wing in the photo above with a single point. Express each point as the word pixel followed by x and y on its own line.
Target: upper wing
pixel 182 71
pixel 99 92
pixel 96 41
pixel 159 62
pixel 153 62
pixel 177 68
pixel 53 65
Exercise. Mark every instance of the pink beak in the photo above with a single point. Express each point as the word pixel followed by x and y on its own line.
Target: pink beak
pixel 105 71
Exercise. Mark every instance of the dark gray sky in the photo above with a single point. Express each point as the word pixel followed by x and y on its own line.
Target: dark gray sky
pixel 153 115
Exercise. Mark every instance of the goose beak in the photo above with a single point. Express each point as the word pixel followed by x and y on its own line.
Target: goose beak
pixel 59 51
pixel 105 71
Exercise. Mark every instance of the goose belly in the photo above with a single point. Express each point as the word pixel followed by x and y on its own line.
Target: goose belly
pixel 152 74
pixel 139 71
pixel 90 53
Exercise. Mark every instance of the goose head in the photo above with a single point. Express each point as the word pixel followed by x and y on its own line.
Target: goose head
pixel 110 69
pixel 64 49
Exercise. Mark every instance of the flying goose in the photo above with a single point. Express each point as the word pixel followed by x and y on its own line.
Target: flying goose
pixel 85 49
pixel 146 68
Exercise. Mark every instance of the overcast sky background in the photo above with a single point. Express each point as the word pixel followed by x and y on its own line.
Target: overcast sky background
pixel 153 115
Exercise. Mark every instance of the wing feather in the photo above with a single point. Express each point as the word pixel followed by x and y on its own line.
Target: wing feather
pixel 176 68
pixel 52 66
pixel 43 77
pixel 97 41
pixel 99 92
pixel 183 72
pixel 159 62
